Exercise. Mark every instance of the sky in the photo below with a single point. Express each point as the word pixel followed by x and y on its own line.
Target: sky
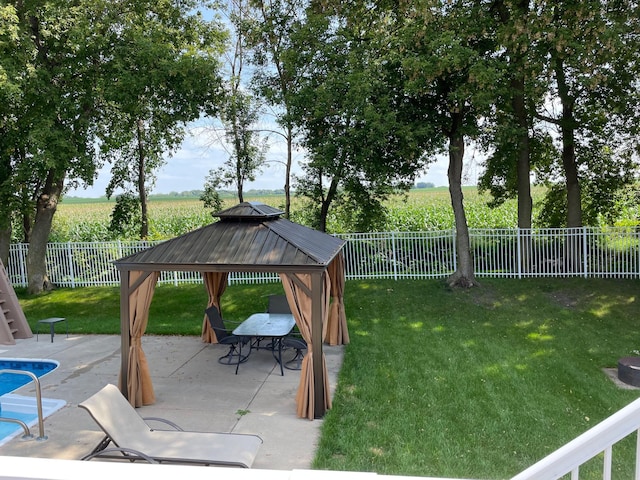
pixel 187 169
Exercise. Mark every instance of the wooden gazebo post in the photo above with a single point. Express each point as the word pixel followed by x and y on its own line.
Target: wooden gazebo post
pixel 125 334
pixel 317 288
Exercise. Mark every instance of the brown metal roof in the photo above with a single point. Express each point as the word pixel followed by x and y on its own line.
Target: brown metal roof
pixel 248 237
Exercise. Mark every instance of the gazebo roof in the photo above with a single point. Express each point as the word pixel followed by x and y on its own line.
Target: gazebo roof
pixel 248 237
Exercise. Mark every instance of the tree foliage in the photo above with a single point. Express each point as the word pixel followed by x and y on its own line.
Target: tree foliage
pixel 239 114
pixel 52 70
pixel 145 115
pixel 268 33
pixel 579 66
pixel 362 135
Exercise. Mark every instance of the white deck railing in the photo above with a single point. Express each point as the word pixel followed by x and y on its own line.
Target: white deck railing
pixel 508 253
pixel 599 439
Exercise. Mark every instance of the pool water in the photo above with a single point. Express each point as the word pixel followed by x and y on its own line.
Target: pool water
pixel 10 382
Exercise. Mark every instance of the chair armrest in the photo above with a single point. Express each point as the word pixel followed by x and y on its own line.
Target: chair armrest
pixel 165 421
pixel 231 324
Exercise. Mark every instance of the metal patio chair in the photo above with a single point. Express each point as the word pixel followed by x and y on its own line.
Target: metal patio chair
pixel 225 337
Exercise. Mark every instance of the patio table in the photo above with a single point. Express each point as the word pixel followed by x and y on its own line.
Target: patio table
pixel 266 325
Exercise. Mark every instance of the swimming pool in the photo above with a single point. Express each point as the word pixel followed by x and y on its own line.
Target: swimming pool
pixel 20 407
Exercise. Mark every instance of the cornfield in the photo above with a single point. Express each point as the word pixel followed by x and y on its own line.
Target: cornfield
pixel 419 210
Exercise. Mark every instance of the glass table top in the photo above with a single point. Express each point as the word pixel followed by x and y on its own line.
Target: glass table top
pixel 266 325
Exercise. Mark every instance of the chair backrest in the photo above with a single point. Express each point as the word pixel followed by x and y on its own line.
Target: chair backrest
pixel 216 322
pixel 116 417
pixel 278 304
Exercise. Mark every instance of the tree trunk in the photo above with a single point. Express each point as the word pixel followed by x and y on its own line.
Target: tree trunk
pixel 5 244
pixel 572 249
pixel 239 153
pixel 518 105
pixel 464 275
pixel 523 171
pixel 46 206
pixel 525 203
pixel 287 175
pixel 567 130
pixel 142 192
pixel 6 207
pixel 326 201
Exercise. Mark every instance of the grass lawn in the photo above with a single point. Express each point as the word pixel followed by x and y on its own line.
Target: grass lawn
pixel 475 383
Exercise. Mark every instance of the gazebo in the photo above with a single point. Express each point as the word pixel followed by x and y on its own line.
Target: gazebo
pixel 249 237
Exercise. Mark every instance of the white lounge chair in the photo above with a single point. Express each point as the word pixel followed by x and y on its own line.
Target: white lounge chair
pixel 134 439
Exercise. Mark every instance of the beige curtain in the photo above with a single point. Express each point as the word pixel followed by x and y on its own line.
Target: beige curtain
pixel 139 386
pixel 300 302
pixel 337 331
pixel 216 284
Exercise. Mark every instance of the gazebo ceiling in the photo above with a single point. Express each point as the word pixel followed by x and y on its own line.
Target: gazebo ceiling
pixel 248 237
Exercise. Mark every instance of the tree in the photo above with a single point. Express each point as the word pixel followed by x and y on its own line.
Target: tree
pixel 239 114
pixel 450 62
pixel 53 109
pixel 70 58
pixel 9 102
pixel 575 64
pixel 146 113
pixel 362 137
pixel 268 34
pixel 592 54
pixel 512 138
pixel 247 152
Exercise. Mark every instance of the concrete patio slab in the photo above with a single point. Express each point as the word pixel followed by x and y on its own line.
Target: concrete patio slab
pixel 191 387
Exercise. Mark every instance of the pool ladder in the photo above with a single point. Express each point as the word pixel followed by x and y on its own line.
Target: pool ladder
pixel 27 432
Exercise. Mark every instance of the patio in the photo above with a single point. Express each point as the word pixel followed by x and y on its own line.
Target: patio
pixel 191 388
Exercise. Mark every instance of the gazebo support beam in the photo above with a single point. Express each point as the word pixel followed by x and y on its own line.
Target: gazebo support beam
pixel 317 294
pixel 125 334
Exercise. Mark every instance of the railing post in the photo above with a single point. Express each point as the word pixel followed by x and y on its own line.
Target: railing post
pixel 637 454
pixel 455 249
pixel 36 382
pixel 395 256
pixel 585 263
pixel 519 253
pixel 23 263
pixel 70 259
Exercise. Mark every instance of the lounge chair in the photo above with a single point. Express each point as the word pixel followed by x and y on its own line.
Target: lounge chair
pixel 134 439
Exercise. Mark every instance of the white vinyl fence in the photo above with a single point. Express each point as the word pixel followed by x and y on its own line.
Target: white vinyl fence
pixel 509 253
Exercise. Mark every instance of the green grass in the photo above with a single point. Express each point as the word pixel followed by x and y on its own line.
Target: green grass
pixel 478 383
pixel 475 383
pixel 174 310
